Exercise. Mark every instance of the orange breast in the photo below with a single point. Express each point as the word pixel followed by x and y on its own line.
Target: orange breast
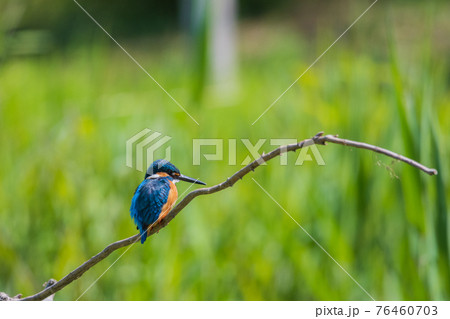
pixel 171 199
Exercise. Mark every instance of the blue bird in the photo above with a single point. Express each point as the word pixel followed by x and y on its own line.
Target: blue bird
pixel 155 196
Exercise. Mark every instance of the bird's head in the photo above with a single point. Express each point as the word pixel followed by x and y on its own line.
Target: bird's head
pixel 164 166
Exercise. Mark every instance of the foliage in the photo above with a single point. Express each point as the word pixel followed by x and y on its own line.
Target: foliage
pixel 65 190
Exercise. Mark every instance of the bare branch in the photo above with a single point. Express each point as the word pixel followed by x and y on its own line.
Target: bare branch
pixel 336 140
pixel 318 139
pixel 78 272
pixel 5 297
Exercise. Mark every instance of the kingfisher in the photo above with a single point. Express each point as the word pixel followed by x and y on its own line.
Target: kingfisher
pixel 156 195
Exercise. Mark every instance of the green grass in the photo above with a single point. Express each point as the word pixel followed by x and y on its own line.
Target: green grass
pixel 65 190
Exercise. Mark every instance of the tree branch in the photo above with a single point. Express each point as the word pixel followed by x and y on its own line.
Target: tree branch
pixel 318 139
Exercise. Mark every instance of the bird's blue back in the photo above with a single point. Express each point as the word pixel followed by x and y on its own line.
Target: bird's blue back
pixel 147 203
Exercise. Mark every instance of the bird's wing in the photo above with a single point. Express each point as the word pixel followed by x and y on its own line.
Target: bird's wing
pixel 148 200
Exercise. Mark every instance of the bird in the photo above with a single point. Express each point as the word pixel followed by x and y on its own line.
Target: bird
pixel 155 196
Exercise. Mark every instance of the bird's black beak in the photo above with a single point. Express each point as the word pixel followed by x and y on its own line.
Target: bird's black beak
pixel 189 179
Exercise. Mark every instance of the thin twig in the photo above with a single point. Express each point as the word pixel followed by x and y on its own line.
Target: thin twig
pixel 336 140
pixel 318 139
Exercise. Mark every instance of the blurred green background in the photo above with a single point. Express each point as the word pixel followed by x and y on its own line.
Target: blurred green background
pixel 70 98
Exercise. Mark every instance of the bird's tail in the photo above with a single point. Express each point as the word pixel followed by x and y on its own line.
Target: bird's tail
pixel 143 232
pixel 143 237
